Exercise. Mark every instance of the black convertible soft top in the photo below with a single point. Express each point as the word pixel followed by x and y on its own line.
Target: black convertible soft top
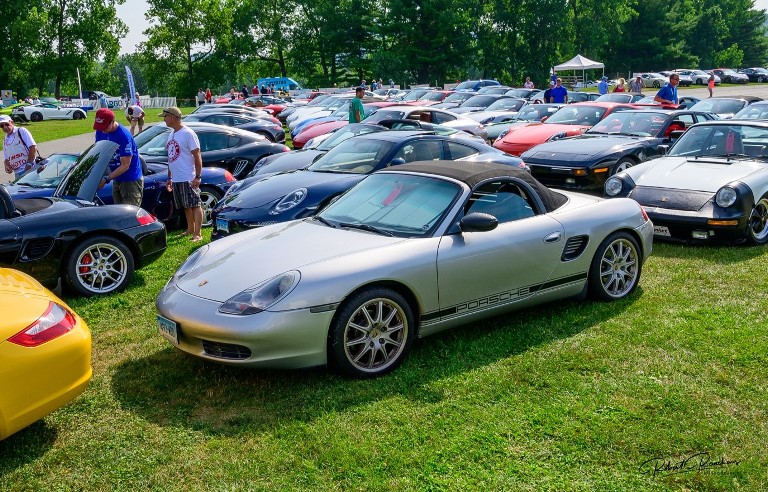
pixel 473 173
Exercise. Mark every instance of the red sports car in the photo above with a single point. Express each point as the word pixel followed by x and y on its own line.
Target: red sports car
pixel 570 120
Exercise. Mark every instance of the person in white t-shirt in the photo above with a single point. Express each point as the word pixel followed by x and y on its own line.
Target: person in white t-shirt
pixel 135 116
pixel 19 148
pixel 185 167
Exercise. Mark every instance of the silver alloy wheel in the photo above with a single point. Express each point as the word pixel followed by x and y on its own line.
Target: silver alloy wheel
pixel 208 200
pixel 619 268
pixel 375 335
pixel 623 164
pixel 101 268
pixel 758 222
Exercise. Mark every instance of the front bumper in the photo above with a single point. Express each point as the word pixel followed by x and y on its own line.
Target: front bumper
pixel 282 339
pixel 571 178
pixel 683 225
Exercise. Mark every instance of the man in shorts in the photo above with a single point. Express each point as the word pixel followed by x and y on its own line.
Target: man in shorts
pixel 125 166
pixel 19 149
pixel 185 168
pixel 135 116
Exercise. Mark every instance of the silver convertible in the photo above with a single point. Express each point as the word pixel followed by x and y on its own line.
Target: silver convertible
pixel 408 252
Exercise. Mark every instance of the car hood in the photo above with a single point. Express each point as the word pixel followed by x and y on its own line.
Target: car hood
pixel 289 161
pixel 275 186
pixel 540 132
pixel 227 268
pixel 582 147
pixel 18 192
pixel 702 174
pixel 82 181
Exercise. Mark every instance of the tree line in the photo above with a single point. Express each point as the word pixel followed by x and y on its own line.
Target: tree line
pixel 192 44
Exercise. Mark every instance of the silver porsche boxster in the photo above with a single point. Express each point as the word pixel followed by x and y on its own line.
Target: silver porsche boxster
pixel 407 252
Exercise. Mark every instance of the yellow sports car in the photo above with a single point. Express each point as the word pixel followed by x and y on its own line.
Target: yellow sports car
pixel 45 352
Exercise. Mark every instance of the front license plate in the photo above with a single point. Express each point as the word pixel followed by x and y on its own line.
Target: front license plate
pixel 661 231
pixel 168 329
pixel 222 225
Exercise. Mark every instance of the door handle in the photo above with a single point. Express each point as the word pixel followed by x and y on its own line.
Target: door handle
pixel 552 237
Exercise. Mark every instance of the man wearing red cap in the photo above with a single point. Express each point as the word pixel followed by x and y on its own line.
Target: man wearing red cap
pixel 125 167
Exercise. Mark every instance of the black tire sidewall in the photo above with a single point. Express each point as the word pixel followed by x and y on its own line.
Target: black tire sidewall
pixel 70 275
pixel 337 357
pixel 596 289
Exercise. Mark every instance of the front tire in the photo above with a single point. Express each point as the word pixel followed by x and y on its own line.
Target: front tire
pixel 757 228
pixel 623 164
pixel 209 197
pixel 615 269
pixel 99 265
pixel 78 116
pixel 657 84
pixel 372 333
pixel 36 116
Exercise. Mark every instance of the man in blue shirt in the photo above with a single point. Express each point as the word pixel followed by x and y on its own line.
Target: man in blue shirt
pixel 559 94
pixel 602 86
pixel 125 167
pixel 668 93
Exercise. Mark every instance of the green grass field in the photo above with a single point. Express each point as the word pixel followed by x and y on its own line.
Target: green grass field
pixel 665 390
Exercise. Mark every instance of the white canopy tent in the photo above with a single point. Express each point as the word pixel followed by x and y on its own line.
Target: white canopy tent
pixel 579 62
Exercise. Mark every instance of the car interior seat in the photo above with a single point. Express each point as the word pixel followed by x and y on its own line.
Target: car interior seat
pixel 733 144
pixel 506 206
pixel 676 125
pixel 426 117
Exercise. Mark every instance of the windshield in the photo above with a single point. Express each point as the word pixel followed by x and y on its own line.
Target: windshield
pixel 356 156
pixel 479 100
pixel 385 114
pixel 619 98
pixel 457 97
pixel 347 132
pixel 397 204
pixel 753 112
pixel 577 115
pixel 469 84
pixel 56 166
pixel 149 134
pixel 432 96
pixel 155 146
pixel 343 110
pixel 639 124
pixel 722 140
pixel 719 106
pixel 506 105
pixel 414 95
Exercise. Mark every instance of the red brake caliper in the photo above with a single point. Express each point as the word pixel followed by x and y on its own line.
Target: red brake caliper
pixel 87 260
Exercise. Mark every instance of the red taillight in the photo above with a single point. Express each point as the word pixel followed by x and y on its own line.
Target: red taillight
pixel 228 176
pixel 144 217
pixel 55 322
pixel 645 215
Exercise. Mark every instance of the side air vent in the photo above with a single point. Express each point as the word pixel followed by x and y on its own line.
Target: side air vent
pixel 240 166
pixel 226 350
pixel 35 249
pixel 574 247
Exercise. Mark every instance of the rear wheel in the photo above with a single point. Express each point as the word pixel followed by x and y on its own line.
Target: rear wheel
pixel 78 116
pixel 757 229
pixel 656 83
pixel 209 197
pixel 615 269
pixel 372 333
pixel 36 116
pixel 99 265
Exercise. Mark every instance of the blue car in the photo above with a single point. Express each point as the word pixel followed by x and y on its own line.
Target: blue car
pixel 264 200
pixel 156 200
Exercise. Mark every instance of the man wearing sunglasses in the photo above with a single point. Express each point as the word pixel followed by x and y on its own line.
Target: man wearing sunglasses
pixel 19 148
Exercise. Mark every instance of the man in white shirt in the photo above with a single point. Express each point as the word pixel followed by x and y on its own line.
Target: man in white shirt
pixel 185 168
pixel 135 116
pixel 19 148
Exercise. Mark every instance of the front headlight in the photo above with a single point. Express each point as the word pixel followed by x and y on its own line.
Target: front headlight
pixel 613 186
pixel 233 189
pixel 725 197
pixel 289 201
pixel 190 263
pixel 261 297
pixel 556 136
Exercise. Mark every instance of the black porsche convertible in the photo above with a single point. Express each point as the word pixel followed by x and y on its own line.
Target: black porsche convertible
pixel 93 248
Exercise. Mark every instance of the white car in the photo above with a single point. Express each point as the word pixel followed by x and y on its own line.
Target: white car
pixel 653 79
pixel 46 111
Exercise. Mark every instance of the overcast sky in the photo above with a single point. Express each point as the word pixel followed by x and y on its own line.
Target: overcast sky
pixel 132 13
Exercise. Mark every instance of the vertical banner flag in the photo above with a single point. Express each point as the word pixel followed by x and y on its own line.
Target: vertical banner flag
pixel 79 85
pixel 131 87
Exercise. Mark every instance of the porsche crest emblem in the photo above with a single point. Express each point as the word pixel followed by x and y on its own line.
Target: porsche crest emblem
pixel 202 283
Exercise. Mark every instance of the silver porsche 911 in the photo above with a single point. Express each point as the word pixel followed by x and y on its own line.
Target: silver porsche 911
pixel 408 252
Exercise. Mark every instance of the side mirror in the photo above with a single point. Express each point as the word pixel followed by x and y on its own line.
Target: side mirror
pixel 544 118
pixel 663 149
pixel 478 222
pixel 397 161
